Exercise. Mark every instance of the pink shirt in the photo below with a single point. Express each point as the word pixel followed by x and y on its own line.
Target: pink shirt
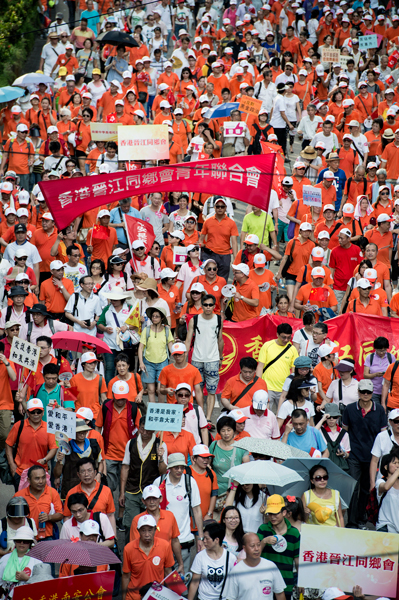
pixel 71 528
pixel 264 427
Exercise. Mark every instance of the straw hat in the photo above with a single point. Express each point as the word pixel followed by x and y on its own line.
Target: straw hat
pixel 309 152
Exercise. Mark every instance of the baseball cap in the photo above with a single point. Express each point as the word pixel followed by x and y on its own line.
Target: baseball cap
pixel 334 593
pixel 323 235
pixel 120 389
pixel 138 244
pixel 329 207
pixel 348 210
pixel 347 102
pixel 363 283
pixel 11 324
pixel 252 239
pixel 177 234
pixel 162 87
pixel 244 268
pixel 305 227
pixel 151 491
pixel 7 187
pixel 89 357
pixel 179 111
pixel 318 252
pixel 370 274
pixel 167 273
pixel 10 211
pixel 197 287
pixel 287 181
pixel 259 259
pixel 85 413
pixel 393 414
pixel 20 228
pixel 353 123
pixel 383 218
pixel 22 127
pixel 238 415
pixel 328 175
pixel 119 102
pixel 89 527
pixel 16 109
pixel 52 129
pixel 139 113
pixel 183 386
pixel 164 104
pixel 326 349
pixel 318 272
pixel 202 450
pixel 346 231
pixel 179 348
pixel 260 400
pixel 34 404
pixel 365 385
pixel 23 196
pixel 103 213
pixel 275 503
pixel 146 520
pixel 56 264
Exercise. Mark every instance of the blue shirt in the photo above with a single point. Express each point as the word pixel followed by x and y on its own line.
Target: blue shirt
pixel 121 65
pixel 312 438
pixel 92 17
pixel 117 217
pixel 339 182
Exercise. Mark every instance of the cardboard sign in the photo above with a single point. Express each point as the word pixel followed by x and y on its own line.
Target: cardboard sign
pixel 330 55
pixel 179 255
pixel 368 41
pixel 348 557
pixel 160 592
pixel 104 132
pixel 25 354
pixel 343 59
pixel 311 196
pixel 235 129
pixel 163 417
pixel 94 586
pixel 250 105
pixel 59 419
pixel 143 142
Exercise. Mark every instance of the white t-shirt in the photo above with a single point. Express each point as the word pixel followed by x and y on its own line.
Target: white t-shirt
pixel 383 444
pixel 213 573
pixel 50 54
pixel 250 583
pixel 388 514
pixel 361 143
pixel 251 518
pixel 278 107
pixel 309 348
pixel 51 162
pixel 31 252
pixel 287 407
pixel 74 274
pixel 349 392
pixel 290 103
pixel 111 162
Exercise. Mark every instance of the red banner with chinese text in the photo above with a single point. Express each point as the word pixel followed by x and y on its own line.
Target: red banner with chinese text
pixel 353 333
pixel 94 586
pixel 245 178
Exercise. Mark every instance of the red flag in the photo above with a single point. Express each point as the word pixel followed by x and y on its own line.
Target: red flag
pixel 318 295
pixel 140 230
pixel 174 582
pixel 71 394
pixel 111 118
pixel 164 501
pixel 100 232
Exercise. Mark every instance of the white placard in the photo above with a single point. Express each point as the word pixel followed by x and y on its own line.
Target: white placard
pixel 311 196
pixel 25 354
pixel 59 419
pixel 235 129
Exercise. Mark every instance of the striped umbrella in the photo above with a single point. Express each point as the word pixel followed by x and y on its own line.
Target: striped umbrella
pixel 85 554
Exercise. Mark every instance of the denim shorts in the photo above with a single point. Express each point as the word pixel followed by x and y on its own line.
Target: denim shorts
pixel 209 373
pixel 153 371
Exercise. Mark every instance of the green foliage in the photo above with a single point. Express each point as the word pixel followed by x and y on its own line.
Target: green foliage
pixel 17 19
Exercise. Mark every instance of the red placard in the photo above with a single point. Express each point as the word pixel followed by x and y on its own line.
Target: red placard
pixel 94 586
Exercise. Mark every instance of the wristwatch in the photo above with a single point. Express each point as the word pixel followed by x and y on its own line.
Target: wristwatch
pixel 201 539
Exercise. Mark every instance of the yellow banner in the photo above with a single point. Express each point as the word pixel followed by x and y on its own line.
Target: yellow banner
pixel 104 132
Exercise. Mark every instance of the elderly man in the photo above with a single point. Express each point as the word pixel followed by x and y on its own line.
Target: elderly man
pixel 363 420
pixel 50 53
pixel 299 434
pixel 261 422
pixel 55 292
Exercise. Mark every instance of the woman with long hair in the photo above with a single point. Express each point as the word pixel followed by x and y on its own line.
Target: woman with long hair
pixel 387 488
pixel 322 505
pixel 190 269
pixel 178 217
pixel 295 511
pixel 282 304
pixel 97 272
pixel 234 531
pixel 175 238
pixel 193 306
pixel 249 499
pixel 299 395
pixel 383 204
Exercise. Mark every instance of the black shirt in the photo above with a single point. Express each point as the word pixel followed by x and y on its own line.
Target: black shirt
pixel 363 430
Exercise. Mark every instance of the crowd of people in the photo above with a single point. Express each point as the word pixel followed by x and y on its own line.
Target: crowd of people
pixel 163 501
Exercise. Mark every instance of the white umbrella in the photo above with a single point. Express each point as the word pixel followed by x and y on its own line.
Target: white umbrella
pixel 263 472
pixel 273 448
pixel 32 79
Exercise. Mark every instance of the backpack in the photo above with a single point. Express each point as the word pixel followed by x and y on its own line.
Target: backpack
pixel 348 184
pixel 30 327
pixel 373 506
pixel 218 328
pixel 390 356
pixel 187 482
pixel 333 446
pixel 3 536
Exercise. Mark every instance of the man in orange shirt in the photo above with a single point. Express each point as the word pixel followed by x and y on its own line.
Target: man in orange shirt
pixel 315 295
pixel 365 102
pixel 106 104
pixel 55 292
pixel 180 371
pixel 239 389
pixel 19 155
pixel 389 157
pixel 221 235
pixel 246 298
pixel 66 93
pixel 44 238
pixel 347 115
pixel 102 246
pixel 146 559
pixel 364 304
pixel 298 250
pixel 119 421
pixel 167 528
pixel 328 190
pixel 66 60
pixel 219 80
pixel 44 502
pixel 119 115
pixel 7 373
pixel 382 237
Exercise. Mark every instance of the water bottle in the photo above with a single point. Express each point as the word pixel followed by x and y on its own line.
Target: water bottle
pixel 42 528
pixel 281 283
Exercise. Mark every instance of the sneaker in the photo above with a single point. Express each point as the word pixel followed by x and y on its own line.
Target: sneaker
pixel 120 526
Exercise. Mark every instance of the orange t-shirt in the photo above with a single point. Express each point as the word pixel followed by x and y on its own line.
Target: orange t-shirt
pixel 373 307
pixel 214 288
pixel 44 242
pixel 6 399
pixel 391 155
pixel 328 280
pixel 133 391
pixel 302 210
pixel 52 296
pixel 102 248
pixel 184 442
pixel 18 156
pixel 34 444
pixel 378 294
pixel 144 568
pixel 242 310
pixel 384 243
pixel 328 196
pixel 167 527
pixel 171 376
pixel 47 501
pixel 327 296
pixel 88 392
pixel 171 297
pixel 119 434
pixel 324 376
pixel 300 254
pixel 265 283
pixel 107 101
pixel 105 501
pixel 234 387
pixel 207 488
pixel 218 234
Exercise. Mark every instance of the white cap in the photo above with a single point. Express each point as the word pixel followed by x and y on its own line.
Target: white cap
pixel 162 87
pixel 328 175
pixel 303 72
pixel 345 231
pixel 353 123
pixel 22 127
pixel 85 413
pixel 126 74
pixel 16 109
pixel 305 227
pixel 139 113
pixel 22 277
pixel 167 273
pixel 259 259
pixel 363 283
pixel 318 272
pixel 164 104
pixel 347 102
pixel 72 78
pixel 168 64
pixel 179 111
pixel 383 218
pixel 334 592
pixel 151 491
pixel 201 450
pixel 329 207
pixel 197 287
pixel 103 213
pixel 238 415
pixel 89 527
pixel 260 400
pixel 34 403
pixel 320 70
pixel 370 274
pixel 88 357
pixel 251 238
pixel 318 252
pixel 287 181
pixel 56 264
pixel 6 186
pixel 104 168
pixel 179 348
pixel 146 520
pixel 52 129
pixel 23 196
pixel 88 95
pixel 244 268
pixel 120 389
pixel 323 235
pixel 9 211
pixel 393 414
pixel 20 251
pixel 119 102
pixel 348 208
pixel 326 349
pixel 138 244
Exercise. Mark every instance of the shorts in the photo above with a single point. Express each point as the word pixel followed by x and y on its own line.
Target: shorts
pixel 80 154
pixel 209 373
pixel 290 279
pixel 153 371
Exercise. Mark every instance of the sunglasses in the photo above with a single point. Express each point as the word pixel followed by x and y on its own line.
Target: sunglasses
pixel 365 392
pixel 195 292
pixel 183 395
pixel 396 421
pixel 331 417
pixel 220 206
pixel 321 478
pixel 212 269
pixel 36 412
pixel 208 305
pixel 384 193
pixel 195 249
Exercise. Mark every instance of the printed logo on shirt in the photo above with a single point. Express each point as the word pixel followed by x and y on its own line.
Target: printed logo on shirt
pixel 215 576
pixel 215 288
pixel 179 498
pixel 267 590
pixel 156 560
pixel 281 544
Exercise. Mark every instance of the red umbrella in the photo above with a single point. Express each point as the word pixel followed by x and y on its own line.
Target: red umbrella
pixel 70 340
pixel 85 554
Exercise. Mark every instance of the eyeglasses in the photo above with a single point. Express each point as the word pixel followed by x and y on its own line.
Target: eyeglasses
pixel 212 269
pixel 384 193
pixel 368 392
pixel 220 206
pixel 208 305
pixel 232 518
pixel 36 412
pixel 183 395
pixel 321 478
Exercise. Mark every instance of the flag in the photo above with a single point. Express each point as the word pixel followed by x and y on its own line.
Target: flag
pixel 100 232
pixel 318 295
pixel 164 501
pixel 111 118
pixel 71 394
pixel 137 229
pixel 134 317
pixel 174 582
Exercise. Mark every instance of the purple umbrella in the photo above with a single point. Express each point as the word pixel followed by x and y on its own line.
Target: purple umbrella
pixel 85 554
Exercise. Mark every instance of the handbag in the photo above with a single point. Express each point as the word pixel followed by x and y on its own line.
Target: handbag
pixel 288 262
pixel 81 236
pixel 142 97
pixel 229 149
pixel 292 224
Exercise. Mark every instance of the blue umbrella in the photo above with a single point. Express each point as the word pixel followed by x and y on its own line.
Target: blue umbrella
pixel 337 478
pixel 221 110
pixel 8 93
